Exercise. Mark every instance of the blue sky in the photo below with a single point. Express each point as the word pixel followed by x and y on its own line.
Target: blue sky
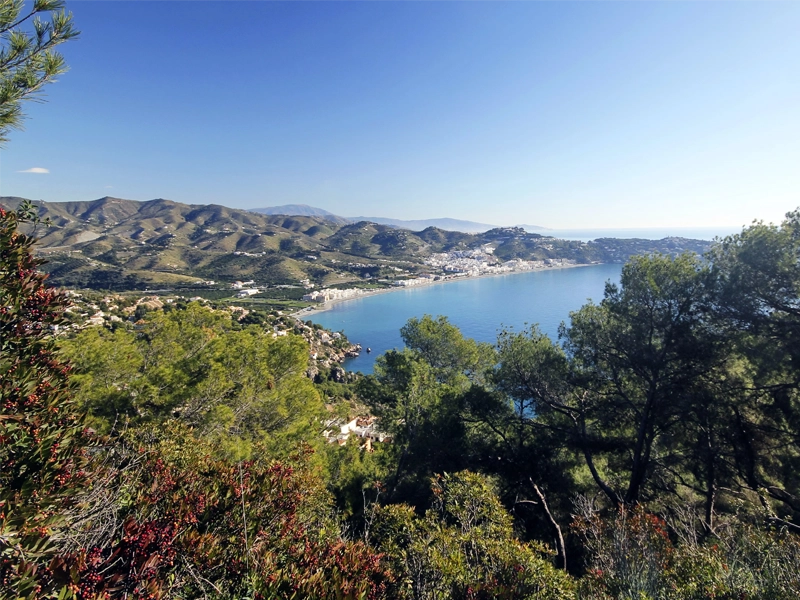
pixel 586 114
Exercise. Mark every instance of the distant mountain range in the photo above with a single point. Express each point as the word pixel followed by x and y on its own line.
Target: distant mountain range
pixel 301 210
pixel 304 210
pixel 118 244
pixel 420 224
pixel 294 210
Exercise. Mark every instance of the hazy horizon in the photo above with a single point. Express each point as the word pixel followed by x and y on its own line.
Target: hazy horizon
pixel 561 115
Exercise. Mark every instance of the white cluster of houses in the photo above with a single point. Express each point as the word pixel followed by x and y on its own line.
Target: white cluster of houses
pixel 421 280
pixel 338 432
pixel 332 294
pixel 473 262
pixel 481 262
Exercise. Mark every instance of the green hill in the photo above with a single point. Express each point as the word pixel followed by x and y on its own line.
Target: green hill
pixel 112 243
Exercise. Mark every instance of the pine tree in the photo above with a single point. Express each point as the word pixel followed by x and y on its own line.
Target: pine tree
pixel 27 59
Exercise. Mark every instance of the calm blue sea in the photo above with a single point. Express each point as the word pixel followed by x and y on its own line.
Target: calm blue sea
pixel 479 307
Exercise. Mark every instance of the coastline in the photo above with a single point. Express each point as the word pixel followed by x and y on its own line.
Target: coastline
pixel 329 304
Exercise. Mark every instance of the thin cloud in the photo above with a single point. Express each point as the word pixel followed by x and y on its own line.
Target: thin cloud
pixel 37 170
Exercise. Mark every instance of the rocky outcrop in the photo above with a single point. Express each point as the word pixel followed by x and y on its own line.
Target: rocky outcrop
pixel 326 349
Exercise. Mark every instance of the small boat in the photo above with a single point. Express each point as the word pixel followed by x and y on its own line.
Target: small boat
pixel 369 350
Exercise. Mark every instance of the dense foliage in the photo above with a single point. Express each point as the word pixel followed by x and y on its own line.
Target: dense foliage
pixel 673 403
pixel 166 505
pixel 235 383
pixel 463 547
pixel 652 453
pixel 42 443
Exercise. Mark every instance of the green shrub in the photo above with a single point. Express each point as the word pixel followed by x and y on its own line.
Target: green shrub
pixel 464 548
pixel 632 556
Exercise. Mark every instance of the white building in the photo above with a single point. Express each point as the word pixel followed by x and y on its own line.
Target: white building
pixel 331 294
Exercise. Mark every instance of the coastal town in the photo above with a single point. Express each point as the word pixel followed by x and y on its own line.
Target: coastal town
pixel 482 261
pixel 272 261
pixel 445 266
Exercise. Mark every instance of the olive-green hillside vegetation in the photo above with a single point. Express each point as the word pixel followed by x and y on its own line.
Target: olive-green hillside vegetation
pixel 123 239
pixel 192 450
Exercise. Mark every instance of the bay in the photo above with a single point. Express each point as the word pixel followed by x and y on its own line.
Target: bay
pixel 479 307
